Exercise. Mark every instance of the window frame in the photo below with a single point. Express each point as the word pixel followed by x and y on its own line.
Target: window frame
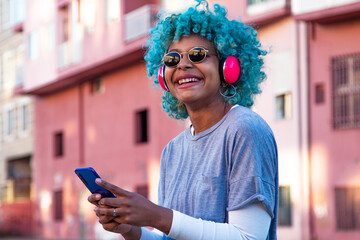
pixel 142 126
pixel 58 209
pixel 345 80
pixel 283 111
pixel 9 127
pixel 347 203
pixel 24 131
pixel 59 144
pixel 109 18
pixel 33 45
pixel 285 207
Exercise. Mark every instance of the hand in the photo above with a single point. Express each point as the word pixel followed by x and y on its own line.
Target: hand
pixel 131 208
pixel 108 222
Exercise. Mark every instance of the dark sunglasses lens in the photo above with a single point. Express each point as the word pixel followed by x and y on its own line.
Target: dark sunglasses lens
pixel 171 59
pixel 197 54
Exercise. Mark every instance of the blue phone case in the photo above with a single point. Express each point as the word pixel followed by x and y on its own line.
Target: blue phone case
pixel 88 176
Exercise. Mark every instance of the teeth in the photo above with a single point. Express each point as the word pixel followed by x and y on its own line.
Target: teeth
pixel 187 80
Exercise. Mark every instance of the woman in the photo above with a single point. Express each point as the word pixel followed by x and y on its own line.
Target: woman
pixel 218 178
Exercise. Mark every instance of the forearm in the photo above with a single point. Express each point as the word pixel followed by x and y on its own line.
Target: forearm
pixel 252 222
pixel 161 220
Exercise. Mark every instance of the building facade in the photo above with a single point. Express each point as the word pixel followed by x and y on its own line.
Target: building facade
pixel 95 107
pixel 334 110
pixel 16 126
pixel 282 104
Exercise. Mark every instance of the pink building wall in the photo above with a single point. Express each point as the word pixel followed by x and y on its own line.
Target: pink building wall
pixel 17 218
pixel 334 154
pixel 282 39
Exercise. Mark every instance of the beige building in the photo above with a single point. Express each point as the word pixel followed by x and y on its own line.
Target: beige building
pixel 16 141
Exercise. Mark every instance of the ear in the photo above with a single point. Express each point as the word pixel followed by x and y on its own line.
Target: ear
pixel 230 69
pixel 161 78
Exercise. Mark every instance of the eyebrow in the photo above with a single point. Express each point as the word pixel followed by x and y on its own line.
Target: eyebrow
pixel 174 50
pixel 177 50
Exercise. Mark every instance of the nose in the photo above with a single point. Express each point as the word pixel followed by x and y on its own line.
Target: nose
pixel 184 62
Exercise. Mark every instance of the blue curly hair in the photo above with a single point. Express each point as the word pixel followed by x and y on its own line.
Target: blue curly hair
pixel 230 38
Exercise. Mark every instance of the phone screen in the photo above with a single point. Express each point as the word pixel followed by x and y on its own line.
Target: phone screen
pixel 87 176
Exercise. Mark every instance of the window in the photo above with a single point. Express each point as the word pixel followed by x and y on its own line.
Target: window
pixel 87 14
pixel 9 122
pixel 255 7
pixel 9 71
pixel 141 126
pixel 347 200
pixel 47 33
pixel 112 11
pixel 19 174
pixel 33 45
pixel 64 16
pixel 59 144
pixel 254 2
pixel 283 106
pixel 24 117
pixel 19 11
pixel 97 86
pixel 5 14
pixel 284 217
pixel 58 205
pixel 19 66
pixel 319 93
pixel 346 91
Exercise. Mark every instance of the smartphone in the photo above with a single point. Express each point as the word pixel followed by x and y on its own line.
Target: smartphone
pixel 88 176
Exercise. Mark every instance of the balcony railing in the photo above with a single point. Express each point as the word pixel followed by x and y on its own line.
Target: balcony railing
pixel 71 52
pixel 262 6
pixel 139 22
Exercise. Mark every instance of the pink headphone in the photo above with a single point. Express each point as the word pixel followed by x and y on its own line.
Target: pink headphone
pixel 229 70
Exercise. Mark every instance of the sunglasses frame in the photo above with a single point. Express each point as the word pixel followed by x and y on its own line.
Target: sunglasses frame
pixel 188 55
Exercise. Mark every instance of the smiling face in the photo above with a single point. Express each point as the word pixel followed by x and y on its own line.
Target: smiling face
pixel 194 84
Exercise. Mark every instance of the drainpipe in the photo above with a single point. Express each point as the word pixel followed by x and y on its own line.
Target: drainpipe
pixel 304 125
pixel 310 35
pixel 300 122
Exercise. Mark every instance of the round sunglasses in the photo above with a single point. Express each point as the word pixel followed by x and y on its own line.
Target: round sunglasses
pixel 195 55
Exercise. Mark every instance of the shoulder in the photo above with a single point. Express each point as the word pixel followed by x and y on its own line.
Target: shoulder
pixel 247 122
pixel 175 142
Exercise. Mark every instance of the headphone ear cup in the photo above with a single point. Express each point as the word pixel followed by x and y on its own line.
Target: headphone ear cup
pixel 230 70
pixel 161 78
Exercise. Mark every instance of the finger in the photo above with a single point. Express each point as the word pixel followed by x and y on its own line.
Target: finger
pixel 101 211
pixel 94 198
pixel 112 188
pixel 113 202
pixel 105 219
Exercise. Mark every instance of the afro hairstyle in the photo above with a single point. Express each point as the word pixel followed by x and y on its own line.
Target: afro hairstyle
pixel 230 38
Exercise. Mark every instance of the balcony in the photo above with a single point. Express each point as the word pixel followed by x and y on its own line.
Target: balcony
pixel 262 12
pixel 256 7
pixel 326 11
pixel 89 55
pixel 70 52
pixel 139 22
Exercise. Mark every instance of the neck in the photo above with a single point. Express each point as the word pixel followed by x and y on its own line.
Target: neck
pixel 204 118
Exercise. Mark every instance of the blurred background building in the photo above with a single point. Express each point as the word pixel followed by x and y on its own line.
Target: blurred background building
pixel 16 123
pixel 74 92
